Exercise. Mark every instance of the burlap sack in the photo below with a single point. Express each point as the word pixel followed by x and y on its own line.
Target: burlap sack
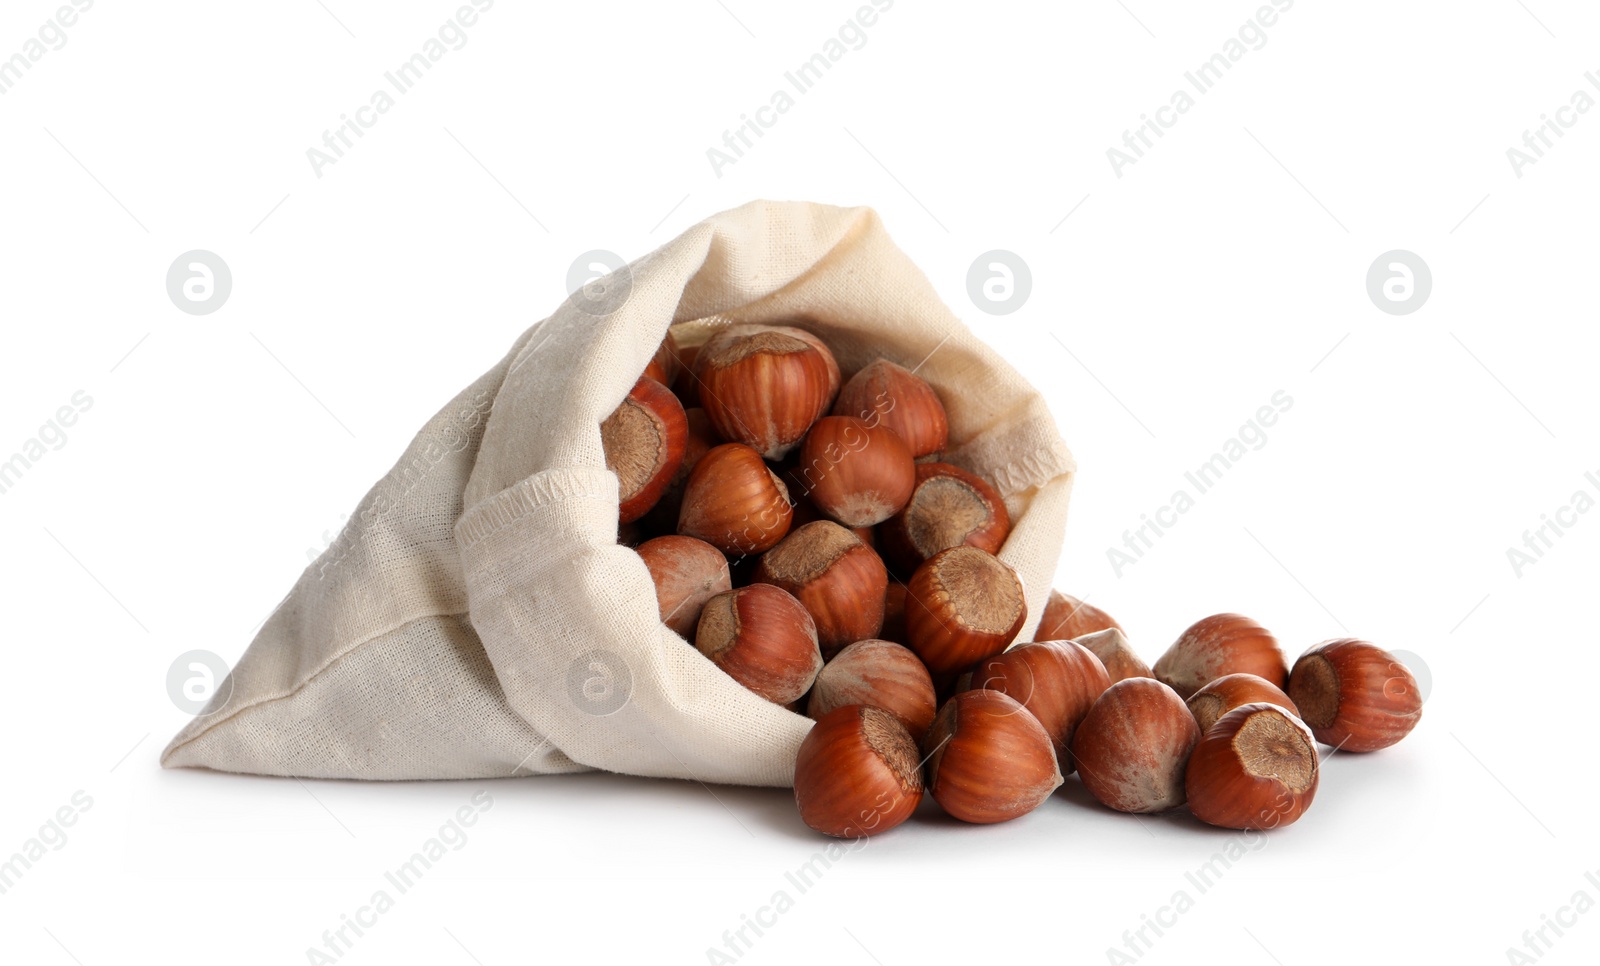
pixel 477 618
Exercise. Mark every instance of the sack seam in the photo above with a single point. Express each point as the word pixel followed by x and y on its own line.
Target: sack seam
pixel 538 491
pixel 211 726
pixel 490 517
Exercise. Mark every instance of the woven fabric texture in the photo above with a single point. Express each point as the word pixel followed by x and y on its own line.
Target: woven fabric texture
pixel 477 617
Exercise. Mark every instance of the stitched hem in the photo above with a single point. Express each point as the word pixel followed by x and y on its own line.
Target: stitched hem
pixel 540 490
pixel 213 725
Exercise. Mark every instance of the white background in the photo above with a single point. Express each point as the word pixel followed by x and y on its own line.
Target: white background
pixel 1226 265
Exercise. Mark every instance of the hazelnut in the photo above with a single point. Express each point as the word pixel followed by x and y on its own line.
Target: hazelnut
pixel 765 385
pixel 879 674
pixel 701 439
pixel 1067 618
pixel 856 473
pixel 962 605
pixel 763 638
pixel 1218 645
pixel 893 395
pixel 1133 746
pixel 643 441
pixel 948 507
pixel 734 502
pixel 1058 681
pixel 839 579
pixel 1112 648
pixel 989 760
pixel 1256 768
pixel 687 573
pixel 1230 691
pixel 857 773
pixel 1355 695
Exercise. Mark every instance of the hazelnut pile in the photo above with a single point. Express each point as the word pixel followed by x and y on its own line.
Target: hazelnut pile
pixel 803 534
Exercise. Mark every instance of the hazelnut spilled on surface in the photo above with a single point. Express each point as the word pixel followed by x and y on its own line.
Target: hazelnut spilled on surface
pixel 1111 646
pixel 1256 768
pixel 858 773
pixel 761 512
pixel 989 760
pixel 1132 748
pixel 1218 645
pixel 1355 695
pixel 1232 690
pixel 1057 681
pixel 880 674
pixel 1066 618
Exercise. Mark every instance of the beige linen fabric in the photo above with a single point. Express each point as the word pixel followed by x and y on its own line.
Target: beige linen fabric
pixel 477 617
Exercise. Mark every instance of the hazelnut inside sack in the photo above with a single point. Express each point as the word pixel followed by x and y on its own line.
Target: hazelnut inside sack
pixel 490 610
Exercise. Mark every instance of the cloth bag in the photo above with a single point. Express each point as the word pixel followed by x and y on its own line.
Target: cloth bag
pixel 477 617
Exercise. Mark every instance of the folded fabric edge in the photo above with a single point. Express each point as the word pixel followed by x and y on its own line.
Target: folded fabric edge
pixel 180 740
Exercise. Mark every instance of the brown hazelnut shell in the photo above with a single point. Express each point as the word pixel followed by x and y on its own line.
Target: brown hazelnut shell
pixel 962 605
pixel 889 393
pixel 1217 645
pixel 1230 691
pixel 988 759
pixel 948 507
pixel 858 773
pixel 734 502
pixel 880 674
pixel 1057 681
pixel 1132 748
pixel 1355 695
pixel 765 386
pixel 687 572
pixel 644 440
pixel 1066 618
pixel 857 473
pixel 763 638
pixel 1256 768
pixel 839 579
